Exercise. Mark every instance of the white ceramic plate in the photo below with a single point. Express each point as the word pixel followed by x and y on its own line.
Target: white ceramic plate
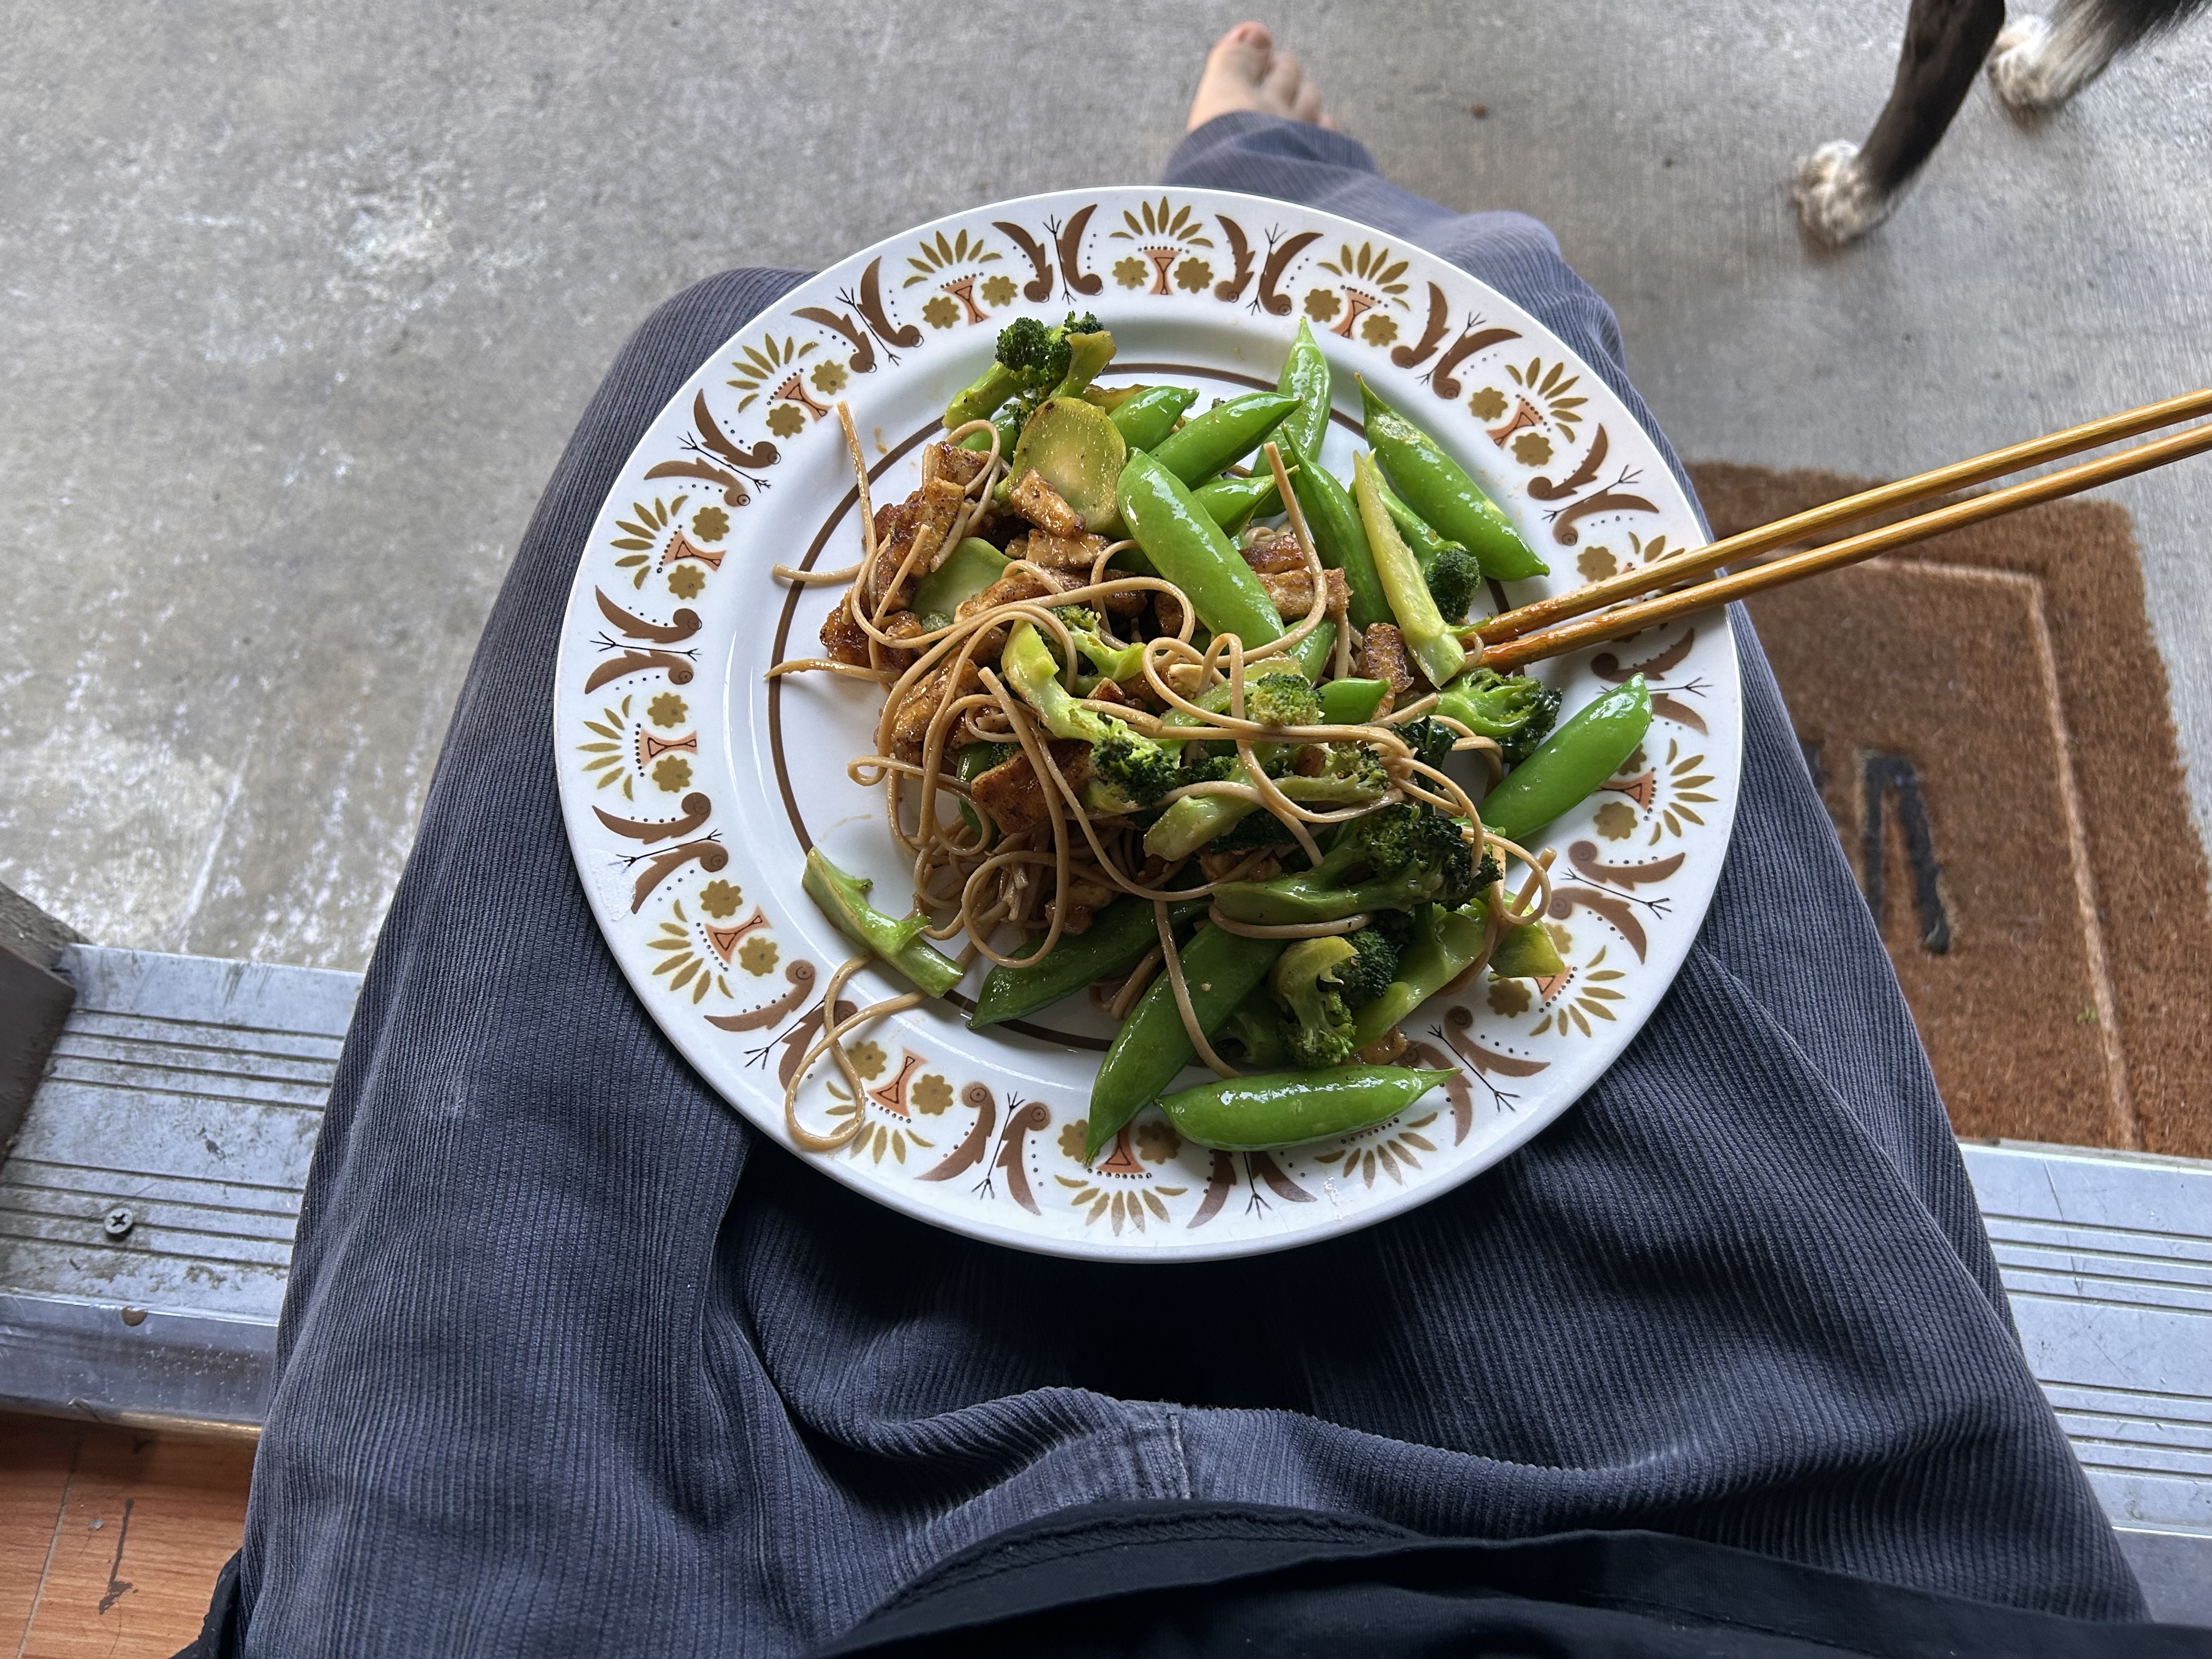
pixel 692 786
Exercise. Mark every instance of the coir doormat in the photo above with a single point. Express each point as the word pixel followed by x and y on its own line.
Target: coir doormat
pixel 1986 717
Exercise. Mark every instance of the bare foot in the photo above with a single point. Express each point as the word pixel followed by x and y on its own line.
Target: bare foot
pixel 1245 71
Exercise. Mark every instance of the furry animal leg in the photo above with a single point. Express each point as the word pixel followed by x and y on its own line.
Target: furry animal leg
pixel 1837 202
pixel 2028 75
pixel 2038 64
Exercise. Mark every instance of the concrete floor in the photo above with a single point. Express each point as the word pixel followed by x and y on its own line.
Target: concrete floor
pixel 301 299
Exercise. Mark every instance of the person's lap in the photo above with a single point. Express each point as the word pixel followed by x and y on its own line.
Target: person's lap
pixel 574 1358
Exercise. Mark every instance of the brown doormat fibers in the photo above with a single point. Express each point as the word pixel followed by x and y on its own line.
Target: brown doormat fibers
pixel 1986 717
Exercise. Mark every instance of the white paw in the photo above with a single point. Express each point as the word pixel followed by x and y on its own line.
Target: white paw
pixel 1835 203
pixel 2022 69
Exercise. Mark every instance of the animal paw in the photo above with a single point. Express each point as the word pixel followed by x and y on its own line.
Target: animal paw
pixel 2024 70
pixel 1835 202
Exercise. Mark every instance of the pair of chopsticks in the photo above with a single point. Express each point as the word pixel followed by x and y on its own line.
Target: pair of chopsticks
pixel 1568 621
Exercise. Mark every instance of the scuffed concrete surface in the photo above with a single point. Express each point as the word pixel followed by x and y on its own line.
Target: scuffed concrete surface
pixel 298 303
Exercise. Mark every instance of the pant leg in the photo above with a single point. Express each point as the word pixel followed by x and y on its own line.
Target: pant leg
pixel 572 1363
pixel 1743 1289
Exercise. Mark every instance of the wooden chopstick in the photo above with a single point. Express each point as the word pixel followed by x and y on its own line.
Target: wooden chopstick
pixel 1699 561
pixel 1795 567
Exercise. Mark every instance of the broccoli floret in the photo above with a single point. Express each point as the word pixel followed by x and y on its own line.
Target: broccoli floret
pixel 1113 662
pixel 1373 965
pixel 1352 774
pixel 1455 577
pixel 1257 1028
pixel 1305 983
pixel 1200 765
pixel 1128 769
pixel 1282 698
pixel 1430 742
pixel 1512 709
pixel 1035 361
pixel 1254 829
pixel 1033 352
pixel 1390 860
pixel 1397 928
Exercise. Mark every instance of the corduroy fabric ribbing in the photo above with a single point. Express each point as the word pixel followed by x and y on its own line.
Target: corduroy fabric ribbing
pixel 573 1362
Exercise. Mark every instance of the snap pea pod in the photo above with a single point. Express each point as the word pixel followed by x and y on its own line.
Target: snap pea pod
pixel 1573 762
pixel 1145 419
pixel 1118 936
pixel 1352 703
pixel 1333 522
pixel 1222 436
pixel 1221 969
pixel 1232 502
pixel 972 566
pixel 1418 534
pixel 1305 377
pixel 1447 945
pixel 1438 489
pixel 897 940
pixel 1188 548
pixel 1286 1108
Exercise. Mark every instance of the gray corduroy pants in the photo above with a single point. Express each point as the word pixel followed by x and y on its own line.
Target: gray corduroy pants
pixel 574 1362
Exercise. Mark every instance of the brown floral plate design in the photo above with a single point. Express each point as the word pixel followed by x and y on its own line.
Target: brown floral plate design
pixel 692 788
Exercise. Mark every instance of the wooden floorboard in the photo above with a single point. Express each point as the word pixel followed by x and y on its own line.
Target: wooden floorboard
pixel 110 1540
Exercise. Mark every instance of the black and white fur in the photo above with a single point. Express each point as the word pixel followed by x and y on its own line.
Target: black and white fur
pixel 1845 190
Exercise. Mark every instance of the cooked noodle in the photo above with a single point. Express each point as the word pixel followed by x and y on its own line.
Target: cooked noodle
pixel 975 879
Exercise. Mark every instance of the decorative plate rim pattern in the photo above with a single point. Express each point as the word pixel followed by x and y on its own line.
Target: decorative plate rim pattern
pixel 683 776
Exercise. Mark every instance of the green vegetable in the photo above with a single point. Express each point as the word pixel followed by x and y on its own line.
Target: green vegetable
pixel 1573 761
pixel 1310 657
pixel 1373 965
pixel 1352 703
pixel 1222 969
pixel 1118 937
pixel 1454 576
pixel 1333 521
pixel 1128 769
pixel 1035 361
pixel 1453 582
pixel 1526 952
pixel 1223 436
pixel 1353 776
pixel 1305 377
pixel 844 900
pixel 1188 548
pixel 1150 415
pixel 1112 662
pixel 1514 709
pixel 1232 502
pixel 1077 450
pixel 1304 982
pixel 1391 860
pixel 1438 487
pixel 1251 1114
pixel 972 566
pixel 1432 643
pixel 1255 1026
pixel 1444 945
pixel 1429 741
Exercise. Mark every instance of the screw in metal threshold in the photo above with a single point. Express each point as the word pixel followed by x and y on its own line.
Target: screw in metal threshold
pixel 118 1221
